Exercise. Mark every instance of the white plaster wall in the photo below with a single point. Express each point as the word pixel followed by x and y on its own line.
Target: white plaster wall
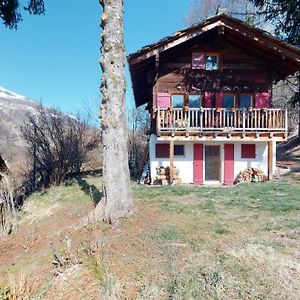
pixel 260 161
pixel 185 163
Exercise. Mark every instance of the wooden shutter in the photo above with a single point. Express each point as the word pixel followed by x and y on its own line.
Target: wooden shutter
pixel 163 100
pixel 219 99
pixel 208 99
pixel 198 60
pixel 248 151
pixel 262 100
pixel 228 164
pixel 162 151
pixel 198 164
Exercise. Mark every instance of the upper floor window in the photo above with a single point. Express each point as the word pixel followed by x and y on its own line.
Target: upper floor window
pixel 205 60
pixel 195 101
pixel 245 101
pixel 228 101
pixel 211 61
pixel 177 101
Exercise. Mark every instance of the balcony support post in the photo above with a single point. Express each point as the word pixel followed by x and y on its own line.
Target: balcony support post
pixel 270 159
pixel 171 160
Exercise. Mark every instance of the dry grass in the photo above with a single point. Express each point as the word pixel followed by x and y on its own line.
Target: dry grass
pixel 179 243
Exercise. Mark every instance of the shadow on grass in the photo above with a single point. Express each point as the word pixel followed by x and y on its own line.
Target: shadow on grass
pixel 89 189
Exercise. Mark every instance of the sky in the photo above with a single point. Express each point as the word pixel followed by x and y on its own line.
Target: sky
pixel 54 58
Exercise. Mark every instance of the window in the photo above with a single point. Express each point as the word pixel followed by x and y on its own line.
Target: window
pixel 162 151
pixel 228 101
pixel 211 61
pixel 205 60
pixel 179 150
pixel 195 101
pixel 248 151
pixel 177 101
pixel 245 101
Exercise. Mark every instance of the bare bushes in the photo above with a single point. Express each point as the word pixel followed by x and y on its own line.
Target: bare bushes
pixel 57 146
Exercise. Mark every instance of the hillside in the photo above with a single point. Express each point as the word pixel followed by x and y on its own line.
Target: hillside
pixel 13 111
pixel 179 243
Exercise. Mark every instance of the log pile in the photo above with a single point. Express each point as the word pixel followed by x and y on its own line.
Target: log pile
pixel 163 176
pixel 250 175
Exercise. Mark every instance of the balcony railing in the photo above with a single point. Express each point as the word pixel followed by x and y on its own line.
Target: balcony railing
pixel 215 119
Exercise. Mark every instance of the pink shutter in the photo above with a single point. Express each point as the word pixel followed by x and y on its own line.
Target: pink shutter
pixel 208 99
pixel 163 100
pixel 262 100
pixel 219 99
pixel 228 164
pixel 198 60
pixel 198 164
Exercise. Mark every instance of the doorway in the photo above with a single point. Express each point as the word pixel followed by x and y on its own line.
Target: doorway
pixel 212 163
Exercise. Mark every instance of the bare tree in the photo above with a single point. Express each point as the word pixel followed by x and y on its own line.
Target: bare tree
pixel 57 146
pixel 202 9
pixel 139 124
pixel 117 195
pixel 7 207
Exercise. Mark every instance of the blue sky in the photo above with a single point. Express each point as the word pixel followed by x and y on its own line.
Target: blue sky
pixel 54 58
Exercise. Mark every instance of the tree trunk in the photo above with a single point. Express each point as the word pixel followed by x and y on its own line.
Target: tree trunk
pixel 117 196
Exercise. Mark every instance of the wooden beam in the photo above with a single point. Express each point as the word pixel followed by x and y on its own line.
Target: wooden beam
pixel 171 160
pixel 270 160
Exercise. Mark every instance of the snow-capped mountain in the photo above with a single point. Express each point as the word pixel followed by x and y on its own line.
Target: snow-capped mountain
pixel 14 109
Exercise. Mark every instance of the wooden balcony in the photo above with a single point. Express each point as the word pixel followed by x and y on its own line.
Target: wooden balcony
pixel 222 120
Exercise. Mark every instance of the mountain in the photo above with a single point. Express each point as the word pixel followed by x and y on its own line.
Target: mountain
pixel 14 109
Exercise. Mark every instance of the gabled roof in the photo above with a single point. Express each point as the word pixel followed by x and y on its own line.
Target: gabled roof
pixel 254 37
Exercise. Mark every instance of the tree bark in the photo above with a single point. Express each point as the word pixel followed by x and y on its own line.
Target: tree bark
pixel 117 196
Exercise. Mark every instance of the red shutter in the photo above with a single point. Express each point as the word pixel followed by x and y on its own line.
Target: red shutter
pixel 163 100
pixel 208 99
pixel 198 164
pixel 198 60
pixel 162 151
pixel 219 99
pixel 248 151
pixel 262 100
pixel 228 164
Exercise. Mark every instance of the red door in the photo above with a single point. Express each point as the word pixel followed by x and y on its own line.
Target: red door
pixel 228 164
pixel 198 164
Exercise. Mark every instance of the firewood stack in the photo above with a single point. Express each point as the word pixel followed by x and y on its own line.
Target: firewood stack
pixel 250 175
pixel 163 176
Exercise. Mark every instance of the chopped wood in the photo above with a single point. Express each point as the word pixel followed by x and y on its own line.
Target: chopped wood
pixel 250 175
pixel 163 176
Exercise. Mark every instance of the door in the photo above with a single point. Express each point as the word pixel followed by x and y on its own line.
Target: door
pixel 228 164
pixel 198 164
pixel 212 163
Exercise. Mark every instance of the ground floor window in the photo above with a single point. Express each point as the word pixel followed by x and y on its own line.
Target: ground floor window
pixel 179 150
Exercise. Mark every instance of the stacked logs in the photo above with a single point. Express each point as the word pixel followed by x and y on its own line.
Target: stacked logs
pixel 163 176
pixel 250 175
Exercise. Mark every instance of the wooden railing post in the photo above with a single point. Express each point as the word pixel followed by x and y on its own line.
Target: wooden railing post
pixel 158 119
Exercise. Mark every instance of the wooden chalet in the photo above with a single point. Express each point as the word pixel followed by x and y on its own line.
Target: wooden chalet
pixel 208 89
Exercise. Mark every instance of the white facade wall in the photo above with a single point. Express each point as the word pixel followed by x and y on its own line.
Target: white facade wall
pixel 185 163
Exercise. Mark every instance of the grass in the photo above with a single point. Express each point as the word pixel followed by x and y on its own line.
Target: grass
pixel 181 242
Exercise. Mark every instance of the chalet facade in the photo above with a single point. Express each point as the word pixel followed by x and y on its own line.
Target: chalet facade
pixel 208 89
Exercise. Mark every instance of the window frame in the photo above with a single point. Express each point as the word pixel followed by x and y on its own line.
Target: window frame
pixel 200 95
pixel 178 94
pixel 217 55
pixel 183 149
pixel 234 100
pixel 245 94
